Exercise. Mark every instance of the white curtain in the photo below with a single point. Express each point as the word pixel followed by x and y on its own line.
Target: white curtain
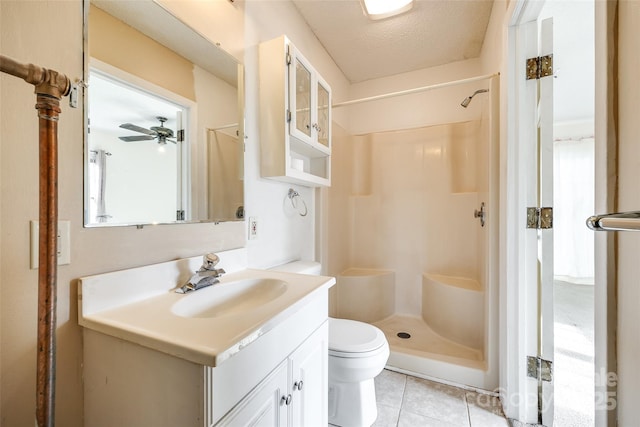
pixel 573 204
pixel 98 177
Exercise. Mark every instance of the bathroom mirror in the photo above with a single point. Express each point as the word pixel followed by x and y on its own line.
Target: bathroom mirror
pixel 164 141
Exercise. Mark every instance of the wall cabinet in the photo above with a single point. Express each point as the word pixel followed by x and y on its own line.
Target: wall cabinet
pixel 295 116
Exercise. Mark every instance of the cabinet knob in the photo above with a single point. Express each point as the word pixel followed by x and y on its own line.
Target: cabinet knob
pixel 297 385
pixel 285 400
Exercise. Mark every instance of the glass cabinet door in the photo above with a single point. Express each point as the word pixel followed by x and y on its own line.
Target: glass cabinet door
pixel 323 119
pixel 302 107
pixel 309 108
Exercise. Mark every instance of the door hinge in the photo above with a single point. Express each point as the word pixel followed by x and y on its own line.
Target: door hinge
pixel 539 368
pixel 288 56
pixel 540 218
pixel 180 215
pixel 288 116
pixel 539 67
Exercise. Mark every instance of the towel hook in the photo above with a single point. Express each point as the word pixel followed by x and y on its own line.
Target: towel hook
pixel 293 195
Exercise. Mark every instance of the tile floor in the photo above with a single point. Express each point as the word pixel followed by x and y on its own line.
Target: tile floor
pixel 406 401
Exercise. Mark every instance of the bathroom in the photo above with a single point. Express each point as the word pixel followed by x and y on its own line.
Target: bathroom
pixel 282 236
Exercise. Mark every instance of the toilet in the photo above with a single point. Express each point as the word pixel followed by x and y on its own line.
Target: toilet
pixel 358 352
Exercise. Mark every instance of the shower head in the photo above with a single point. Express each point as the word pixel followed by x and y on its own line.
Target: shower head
pixel 465 103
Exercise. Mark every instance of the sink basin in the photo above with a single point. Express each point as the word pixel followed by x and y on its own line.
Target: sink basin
pixel 229 298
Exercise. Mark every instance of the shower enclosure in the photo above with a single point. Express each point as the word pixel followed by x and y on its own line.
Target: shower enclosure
pixel 419 211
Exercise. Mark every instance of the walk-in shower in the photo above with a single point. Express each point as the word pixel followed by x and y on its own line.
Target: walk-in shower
pixel 409 253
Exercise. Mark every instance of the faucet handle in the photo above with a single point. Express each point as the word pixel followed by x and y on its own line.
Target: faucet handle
pixel 209 261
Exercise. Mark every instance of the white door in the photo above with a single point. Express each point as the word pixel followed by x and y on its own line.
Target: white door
pixel 535 194
pixel 545 236
pixel 180 168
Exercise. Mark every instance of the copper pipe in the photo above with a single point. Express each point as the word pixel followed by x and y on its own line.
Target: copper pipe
pixel 50 86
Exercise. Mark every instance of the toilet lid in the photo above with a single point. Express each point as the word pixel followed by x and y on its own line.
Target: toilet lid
pixel 350 336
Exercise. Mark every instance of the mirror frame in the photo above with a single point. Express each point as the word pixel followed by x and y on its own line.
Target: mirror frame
pixel 85 102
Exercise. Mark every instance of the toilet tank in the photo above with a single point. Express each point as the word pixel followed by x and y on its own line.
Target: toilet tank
pixel 300 267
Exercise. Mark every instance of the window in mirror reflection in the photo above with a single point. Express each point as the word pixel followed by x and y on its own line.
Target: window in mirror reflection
pixel 135 154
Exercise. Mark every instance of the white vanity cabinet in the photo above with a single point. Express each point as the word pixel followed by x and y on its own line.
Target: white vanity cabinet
pixel 224 355
pixel 294 394
pixel 265 406
pixel 278 380
pixel 295 116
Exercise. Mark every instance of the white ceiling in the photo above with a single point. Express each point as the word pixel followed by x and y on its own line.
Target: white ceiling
pixel 432 33
pixel 437 32
pixel 108 111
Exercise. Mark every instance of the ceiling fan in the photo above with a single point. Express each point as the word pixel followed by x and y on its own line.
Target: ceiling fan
pixel 160 132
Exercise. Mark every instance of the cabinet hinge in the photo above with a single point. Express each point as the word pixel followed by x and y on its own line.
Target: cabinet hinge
pixel 540 218
pixel 288 116
pixel 180 215
pixel 288 56
pixel 541 66
pixel 539 368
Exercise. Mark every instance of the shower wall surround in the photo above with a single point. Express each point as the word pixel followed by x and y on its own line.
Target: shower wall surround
pixel 409 198
pixel 412 199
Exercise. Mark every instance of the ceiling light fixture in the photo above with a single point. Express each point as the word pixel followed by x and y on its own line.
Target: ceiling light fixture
pixel 380 9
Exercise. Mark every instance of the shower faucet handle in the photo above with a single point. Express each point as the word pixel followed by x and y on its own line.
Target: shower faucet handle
pixel 480 214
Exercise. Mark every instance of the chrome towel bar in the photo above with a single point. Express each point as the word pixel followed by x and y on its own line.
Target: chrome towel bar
pixel 624 221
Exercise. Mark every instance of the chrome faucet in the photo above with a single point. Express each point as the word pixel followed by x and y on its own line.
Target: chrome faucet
pixel 207 275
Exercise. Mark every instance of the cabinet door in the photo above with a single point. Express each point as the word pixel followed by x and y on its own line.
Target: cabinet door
pixel 300 96
pixel 322 122
pixel 308 381
pixel 265 406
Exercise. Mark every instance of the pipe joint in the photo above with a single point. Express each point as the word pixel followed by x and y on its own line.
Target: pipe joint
pixel 53 84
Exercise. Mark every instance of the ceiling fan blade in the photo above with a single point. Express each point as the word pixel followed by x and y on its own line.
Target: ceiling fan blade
pixel 135 128
pixel 137 138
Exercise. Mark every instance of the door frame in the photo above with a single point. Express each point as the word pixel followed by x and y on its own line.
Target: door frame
pixel 520 313
pixel 606 172
pixel 515 309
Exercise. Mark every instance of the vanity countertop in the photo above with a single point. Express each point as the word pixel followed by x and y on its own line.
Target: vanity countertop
pixel 137 305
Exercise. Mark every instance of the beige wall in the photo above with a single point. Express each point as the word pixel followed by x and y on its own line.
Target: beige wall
pixel 49 33
pixel 416 110
pixel 116 43
pixel 26 30
pixel 628 199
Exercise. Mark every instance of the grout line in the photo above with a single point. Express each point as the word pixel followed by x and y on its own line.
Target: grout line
pixel 442 381
pixel 404 392
pixel 466 401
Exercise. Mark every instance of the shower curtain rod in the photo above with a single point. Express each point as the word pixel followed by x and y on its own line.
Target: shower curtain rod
pixel 50 86
pixel 231 125
pixel 414 90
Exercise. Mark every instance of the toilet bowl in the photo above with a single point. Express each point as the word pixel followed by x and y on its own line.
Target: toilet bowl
pixel 358 352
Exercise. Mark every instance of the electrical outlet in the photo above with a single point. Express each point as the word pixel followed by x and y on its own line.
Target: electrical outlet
pixel 63 244
pixel 253 228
